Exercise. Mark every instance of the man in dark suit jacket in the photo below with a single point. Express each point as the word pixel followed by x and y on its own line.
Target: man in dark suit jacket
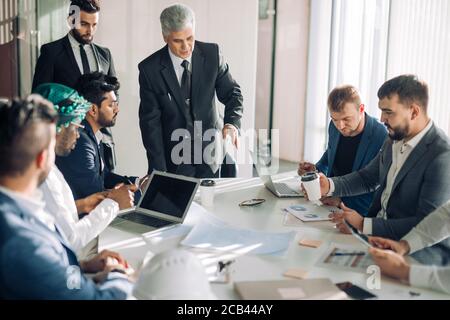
pixel 410 174
pixel 354 139
pixel 177 87
pixel 65 60
pixel 84 168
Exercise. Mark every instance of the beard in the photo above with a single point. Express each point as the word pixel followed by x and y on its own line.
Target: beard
pixel 65 144
pixel 106 123
pixel 64 151
pixel 82 40
pixel 398 134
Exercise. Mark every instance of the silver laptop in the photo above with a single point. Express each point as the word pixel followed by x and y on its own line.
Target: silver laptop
pixel 164 203
pixel 281 190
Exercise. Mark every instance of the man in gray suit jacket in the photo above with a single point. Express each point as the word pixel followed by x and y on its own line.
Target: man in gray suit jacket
pixel 178 85
pixel 411 173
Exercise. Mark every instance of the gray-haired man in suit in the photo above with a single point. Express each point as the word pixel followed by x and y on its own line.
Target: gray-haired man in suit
pixel 411 173
pixel 178 85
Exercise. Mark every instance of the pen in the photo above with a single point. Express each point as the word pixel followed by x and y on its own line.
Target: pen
pixel 348 254
pixel 170 97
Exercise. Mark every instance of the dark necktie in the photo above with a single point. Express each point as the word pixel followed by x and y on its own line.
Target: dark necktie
pixel 84 60
pixel 186 83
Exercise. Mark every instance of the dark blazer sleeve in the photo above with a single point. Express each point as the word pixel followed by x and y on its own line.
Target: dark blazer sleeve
pixel 44 67
pixel 113 179
pixel 434 191
pixel 229 93
pixel 359 182
pixel 150 124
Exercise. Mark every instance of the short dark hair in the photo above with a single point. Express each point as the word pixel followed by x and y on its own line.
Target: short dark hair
pixel 93 86
pixel 22 132
pixel 342 95
pixel 408 88
pixel 89 6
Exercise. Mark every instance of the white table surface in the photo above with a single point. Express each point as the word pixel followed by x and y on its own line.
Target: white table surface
pixel 266 217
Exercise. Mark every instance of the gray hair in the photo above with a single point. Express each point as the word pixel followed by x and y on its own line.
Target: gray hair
pixel 176 18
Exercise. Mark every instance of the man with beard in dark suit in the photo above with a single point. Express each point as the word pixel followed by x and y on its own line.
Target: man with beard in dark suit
pixel 65 60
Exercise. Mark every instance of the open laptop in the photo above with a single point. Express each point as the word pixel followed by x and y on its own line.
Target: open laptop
pixel 164 203
pixel 281 190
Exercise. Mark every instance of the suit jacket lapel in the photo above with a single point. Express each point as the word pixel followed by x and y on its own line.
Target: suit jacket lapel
pixel 332 155
pixel 102 63
pixel 198 61
pixel 71 56
pixel 416 155
pixel 91 135
pixel 169 76
pixel 385 165
pixel 364 143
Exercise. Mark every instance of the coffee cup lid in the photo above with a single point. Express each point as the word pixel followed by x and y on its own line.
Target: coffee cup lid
pixel 208 183
pixel 309 176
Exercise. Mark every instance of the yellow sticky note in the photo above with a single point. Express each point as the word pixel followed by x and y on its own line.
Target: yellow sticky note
pixel 296 273
pixel 310 243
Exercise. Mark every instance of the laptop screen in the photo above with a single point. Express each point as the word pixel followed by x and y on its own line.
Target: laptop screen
pixel 168 195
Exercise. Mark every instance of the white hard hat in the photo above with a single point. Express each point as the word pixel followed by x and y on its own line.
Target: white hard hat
pixel 173 275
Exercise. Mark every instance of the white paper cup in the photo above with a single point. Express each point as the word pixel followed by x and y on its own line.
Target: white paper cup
pixel 311 183
pixel 207 190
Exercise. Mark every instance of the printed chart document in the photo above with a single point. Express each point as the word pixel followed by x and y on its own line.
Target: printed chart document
pixel 345 257
pixel 207 235
pixel 311 212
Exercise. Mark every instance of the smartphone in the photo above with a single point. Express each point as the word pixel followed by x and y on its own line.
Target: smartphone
pixel 361 237
pixel 355 292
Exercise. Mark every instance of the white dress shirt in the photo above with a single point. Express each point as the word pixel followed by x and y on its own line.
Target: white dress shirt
pixel 59 202
pixel 93 64
pixel 431 230
pixel 400 153
pixel 177 61
pixel 99 137
pixel 32 205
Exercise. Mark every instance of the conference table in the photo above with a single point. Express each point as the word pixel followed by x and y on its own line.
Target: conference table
pixel 266 217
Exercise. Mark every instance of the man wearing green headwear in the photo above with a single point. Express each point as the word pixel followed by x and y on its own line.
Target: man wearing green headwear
pixel 102 207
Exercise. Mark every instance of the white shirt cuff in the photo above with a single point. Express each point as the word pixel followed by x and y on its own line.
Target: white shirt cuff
pixel 332 188
pixel 414 241
pixel 110 202
pixel 367 226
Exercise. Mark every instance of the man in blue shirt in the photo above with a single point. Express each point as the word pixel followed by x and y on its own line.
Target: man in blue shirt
pixel 355 139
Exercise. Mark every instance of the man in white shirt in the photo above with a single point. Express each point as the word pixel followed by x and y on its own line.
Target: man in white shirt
pixel 102 207
pixel 410 174
pixel 433 229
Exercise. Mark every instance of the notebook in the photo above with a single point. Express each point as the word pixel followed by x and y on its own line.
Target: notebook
pixel 308 289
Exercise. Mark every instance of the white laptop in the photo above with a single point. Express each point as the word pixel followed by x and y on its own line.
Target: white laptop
pixel 164 203
pixel 281 190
